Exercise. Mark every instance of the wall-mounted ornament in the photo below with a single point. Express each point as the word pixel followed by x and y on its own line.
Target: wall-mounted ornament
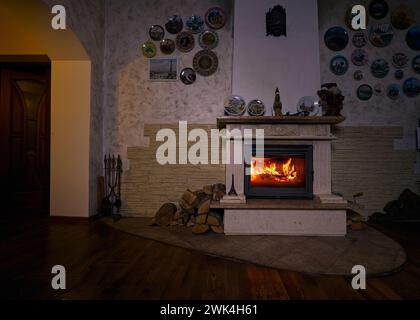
pixel 215 18
pixel 234 105
pixel 411 87
pixel 339 65
pixel 379 68
pixel 156 33
pixel 208 39
pixel 381 34
pixel 205 63
pixel 416 64
pixel 149 49
pixel 167 46
pixel 359 39
pixel 359 57
pixel 413 38
pixel 393 91
pixel 364 92
pixel 174 24
pixel 276 22
pixel 256 108
pixel 163 69
pixel 188 76
pixel 358 75
pixel 400 60
pixel 379 90
pixel 399 74
pixel 195 24
pixel 336 38
pixel 401 18
pixel 378 9
pixel 185 41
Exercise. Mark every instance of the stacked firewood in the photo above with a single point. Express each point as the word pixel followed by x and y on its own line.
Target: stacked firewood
pixel 194 211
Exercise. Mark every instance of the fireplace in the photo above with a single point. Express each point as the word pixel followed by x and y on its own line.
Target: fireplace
pixel 283 172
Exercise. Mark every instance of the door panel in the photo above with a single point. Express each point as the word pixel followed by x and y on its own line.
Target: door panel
pixel 25 120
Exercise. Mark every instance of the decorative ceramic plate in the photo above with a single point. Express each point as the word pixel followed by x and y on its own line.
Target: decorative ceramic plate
pixel 215 18
pixel 336 38
pixel 359 57
pixel 167 46
pixel 309 105
pixel 393 91
pixel 416 64
pixel 234 105
pixel 378 9
pixel 379 68
pixel 411 87
pixel 208 39
pixel 399 74
pixel 174 24
pixel 185 41
pixel 402 18
pixel 379 90
pixel 358 75
pixel 339 65
pixel 149 49
pixel 359 39
pixel 400 60
pixel 413 38
pixel 195 24
pixel 205 63
pixel 381 34
pixel 156 33
pixel 364 92
pixel 188 76
pixel 256 108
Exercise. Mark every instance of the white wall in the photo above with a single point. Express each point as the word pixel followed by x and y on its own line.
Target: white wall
pixel 260 63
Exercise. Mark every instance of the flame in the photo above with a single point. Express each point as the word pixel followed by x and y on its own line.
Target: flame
pixel 264 167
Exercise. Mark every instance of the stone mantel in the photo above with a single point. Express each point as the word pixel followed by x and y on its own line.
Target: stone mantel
pixel 223 121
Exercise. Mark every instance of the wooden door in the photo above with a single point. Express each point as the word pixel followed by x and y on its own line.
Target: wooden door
pixel 25 138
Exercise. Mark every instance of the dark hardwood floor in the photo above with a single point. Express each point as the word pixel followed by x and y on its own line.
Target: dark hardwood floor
pixel 103 263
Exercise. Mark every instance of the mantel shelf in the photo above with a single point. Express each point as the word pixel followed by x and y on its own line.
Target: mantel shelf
pixel 223 121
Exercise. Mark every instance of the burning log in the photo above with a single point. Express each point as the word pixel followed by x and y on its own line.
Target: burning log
pixel 200 229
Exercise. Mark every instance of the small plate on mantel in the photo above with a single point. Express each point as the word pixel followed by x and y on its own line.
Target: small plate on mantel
pixel 309 105
pixel 235 105
pixel 256 108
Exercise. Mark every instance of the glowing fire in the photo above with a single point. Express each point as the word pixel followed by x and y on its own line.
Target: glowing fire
pixel 264 168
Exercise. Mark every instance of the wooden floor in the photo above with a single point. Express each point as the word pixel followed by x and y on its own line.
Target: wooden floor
pixel 103 263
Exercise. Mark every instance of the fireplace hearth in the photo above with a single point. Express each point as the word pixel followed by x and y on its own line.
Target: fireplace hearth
pixel 285 172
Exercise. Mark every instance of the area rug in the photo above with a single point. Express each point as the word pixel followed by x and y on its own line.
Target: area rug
pixel 370 248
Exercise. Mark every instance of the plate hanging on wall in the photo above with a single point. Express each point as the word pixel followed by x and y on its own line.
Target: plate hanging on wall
pixel 393 91
pixel 208 39
pixel 167 46
pixel 156 32
pixel 378 9
pixel 256 108
pixel 188 76
pixel 364 92
pixel 174 24
pixel 381 34
pixel 416 64
pixel 339 65
pixel 185 41
pixel 359 39
pixel 234 105
pixel 411 87
pixel 336 38
pixel 359 57
pixel 413 38
pixel 195 24
pixel 358 75
pixel 149 49
pixel 400 60
pixel 379 90
pixel 215 18
pixel 379 68
pixel 401 18
pixel 205 63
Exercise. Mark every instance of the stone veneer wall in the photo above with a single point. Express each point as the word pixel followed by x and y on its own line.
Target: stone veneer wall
pixel 363 160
